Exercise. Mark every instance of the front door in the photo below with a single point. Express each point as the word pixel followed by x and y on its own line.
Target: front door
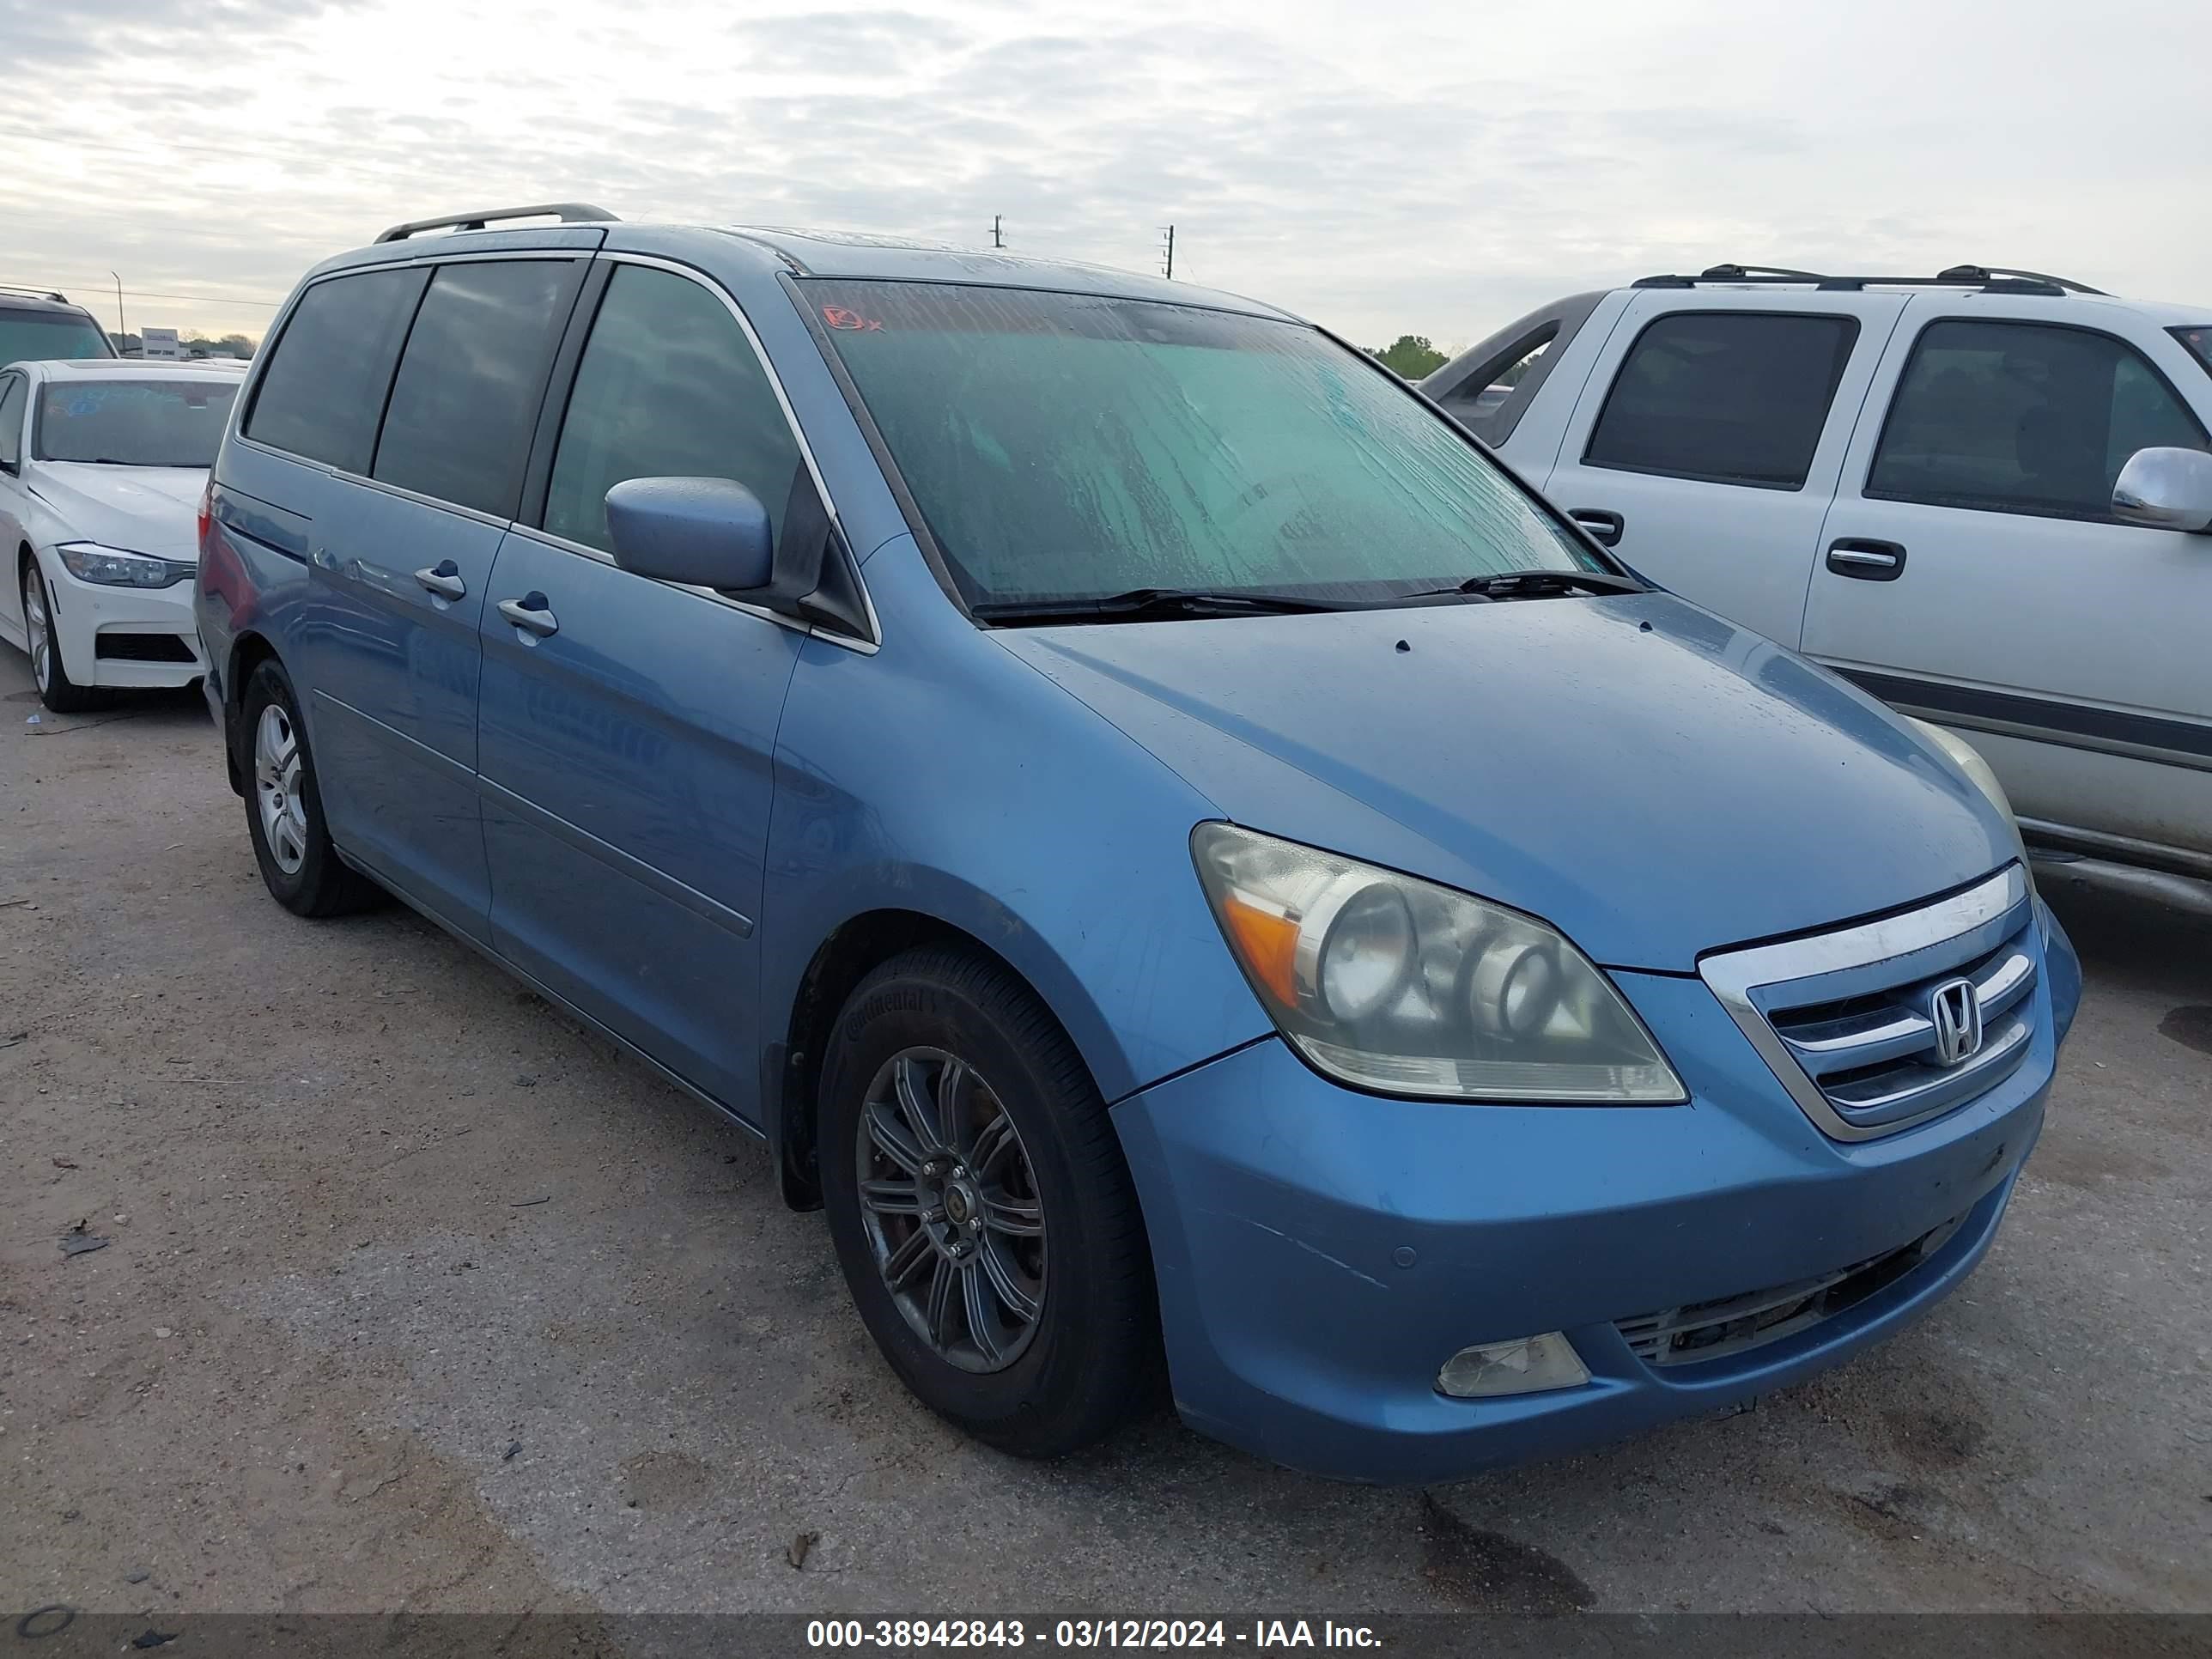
pixel 628 728
pixel 1972 571
pixel 1715 446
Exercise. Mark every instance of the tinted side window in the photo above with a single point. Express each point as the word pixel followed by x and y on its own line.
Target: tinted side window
pixel 471 379
pixel 1729 397
pixel 13 398
pixel 668 387
pixel 324 389
pixel 2022 417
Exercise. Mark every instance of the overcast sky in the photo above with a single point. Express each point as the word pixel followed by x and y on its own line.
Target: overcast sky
pixel 1405 166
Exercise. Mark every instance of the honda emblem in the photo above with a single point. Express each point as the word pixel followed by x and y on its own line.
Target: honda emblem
pixel 1955 1009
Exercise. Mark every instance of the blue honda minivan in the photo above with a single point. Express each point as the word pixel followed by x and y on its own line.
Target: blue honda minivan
pixel 1212 884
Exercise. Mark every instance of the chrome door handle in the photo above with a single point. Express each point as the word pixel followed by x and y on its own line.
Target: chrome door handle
pixel 1867 559
pixel 444 579
pixel 530 613
pixel 1604 524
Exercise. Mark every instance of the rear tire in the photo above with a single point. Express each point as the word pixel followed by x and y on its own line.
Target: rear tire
pixel 285 805
pixel 56 690
pixel 1025 1312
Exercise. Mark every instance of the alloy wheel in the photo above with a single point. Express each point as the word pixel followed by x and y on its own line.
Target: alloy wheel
pixel 948 1203
pixel 277 789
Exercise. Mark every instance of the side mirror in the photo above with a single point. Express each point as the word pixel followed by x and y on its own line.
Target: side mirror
pixel 2166 488
pixel 705 532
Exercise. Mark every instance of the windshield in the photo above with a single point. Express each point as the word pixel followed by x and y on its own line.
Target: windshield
pixel 43 336
pixel 1069 447
pixel 134 422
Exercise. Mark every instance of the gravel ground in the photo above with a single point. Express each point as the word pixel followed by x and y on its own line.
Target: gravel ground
pixel 415 1295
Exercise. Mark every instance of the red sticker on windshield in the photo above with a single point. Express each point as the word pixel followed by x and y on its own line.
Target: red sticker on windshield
pixel 844 317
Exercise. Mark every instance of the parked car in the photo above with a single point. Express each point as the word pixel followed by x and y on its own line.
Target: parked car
pixel 1175 849
pixel 36 324
pixel 102 466
pixel 1981 496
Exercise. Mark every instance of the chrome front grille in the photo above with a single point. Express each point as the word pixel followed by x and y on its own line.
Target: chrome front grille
pixel 1849 1023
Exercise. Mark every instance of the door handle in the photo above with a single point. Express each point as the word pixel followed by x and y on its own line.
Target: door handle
pixel 530 613
pixel 1867 561
pixel 1604 524
pixel 443 579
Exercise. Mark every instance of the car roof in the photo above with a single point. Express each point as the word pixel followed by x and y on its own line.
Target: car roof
pixel 40 302
pixel 858 255
pixel 807 253
pixel 130 368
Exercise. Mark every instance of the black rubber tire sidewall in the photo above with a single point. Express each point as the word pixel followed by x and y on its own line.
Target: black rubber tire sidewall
pixel 1094 1361
pixel 323 885
pixel 60 694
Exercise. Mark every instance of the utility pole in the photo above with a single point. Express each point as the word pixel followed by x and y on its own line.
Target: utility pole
pixel 1167 251
pixel 997 240
pixel 122 328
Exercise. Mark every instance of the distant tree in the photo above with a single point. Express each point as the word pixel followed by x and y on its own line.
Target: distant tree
pixel 1411 355
pixel 197 345
pixel 127 345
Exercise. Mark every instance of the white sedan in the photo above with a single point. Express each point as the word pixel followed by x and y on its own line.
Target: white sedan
pixel 102 464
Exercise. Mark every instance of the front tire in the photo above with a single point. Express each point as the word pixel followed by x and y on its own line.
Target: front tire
pixel 56 690
pixel 982 1209
pixel 285 805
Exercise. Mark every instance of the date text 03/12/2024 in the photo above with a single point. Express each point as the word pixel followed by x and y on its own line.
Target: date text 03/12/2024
pixel 949 1633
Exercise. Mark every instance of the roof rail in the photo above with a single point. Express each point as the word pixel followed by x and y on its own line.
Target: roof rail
pixel 568 213
pixel 35 293
pixel 1991 279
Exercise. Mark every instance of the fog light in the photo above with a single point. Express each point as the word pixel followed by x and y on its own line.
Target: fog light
pixel 1527 1366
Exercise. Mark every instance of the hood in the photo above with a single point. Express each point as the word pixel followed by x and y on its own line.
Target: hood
pixel 137 509
pixel 1649 778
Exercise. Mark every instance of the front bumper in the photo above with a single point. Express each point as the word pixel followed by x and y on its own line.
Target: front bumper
pixel 1321 1253
pixel 142 629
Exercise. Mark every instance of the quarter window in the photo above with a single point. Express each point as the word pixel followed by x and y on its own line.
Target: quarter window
pixel 325 385
pixel 471 379
pixel 2022 417
pixel 1737 397
pixel 668 387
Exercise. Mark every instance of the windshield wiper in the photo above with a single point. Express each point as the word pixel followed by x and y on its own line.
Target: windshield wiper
pixel 1141 603
pixel 1528 584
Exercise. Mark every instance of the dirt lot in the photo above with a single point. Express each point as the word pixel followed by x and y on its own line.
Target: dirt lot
pixel 414 1296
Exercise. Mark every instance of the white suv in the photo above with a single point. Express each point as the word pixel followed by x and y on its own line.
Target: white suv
pixel 1935 486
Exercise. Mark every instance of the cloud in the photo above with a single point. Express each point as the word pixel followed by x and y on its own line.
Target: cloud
pixel 1423 168
pixel 843 43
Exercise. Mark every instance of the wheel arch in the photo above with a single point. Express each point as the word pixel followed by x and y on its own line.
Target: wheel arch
pixel 249 649
pixel 791 1068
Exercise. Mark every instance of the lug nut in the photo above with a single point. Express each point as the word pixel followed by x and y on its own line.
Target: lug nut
pixel 975 1225
pixel 934 1214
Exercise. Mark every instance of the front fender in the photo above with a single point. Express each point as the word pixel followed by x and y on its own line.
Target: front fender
pixel 944 777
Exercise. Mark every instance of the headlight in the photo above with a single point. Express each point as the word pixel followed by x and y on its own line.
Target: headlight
pixel 112 567
pixel 1970 761
pixel 1405 988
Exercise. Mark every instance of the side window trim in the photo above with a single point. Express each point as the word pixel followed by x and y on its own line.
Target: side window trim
pixel 1855 342
pixel 12 446
pixel 1909 355
pixel 568 359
